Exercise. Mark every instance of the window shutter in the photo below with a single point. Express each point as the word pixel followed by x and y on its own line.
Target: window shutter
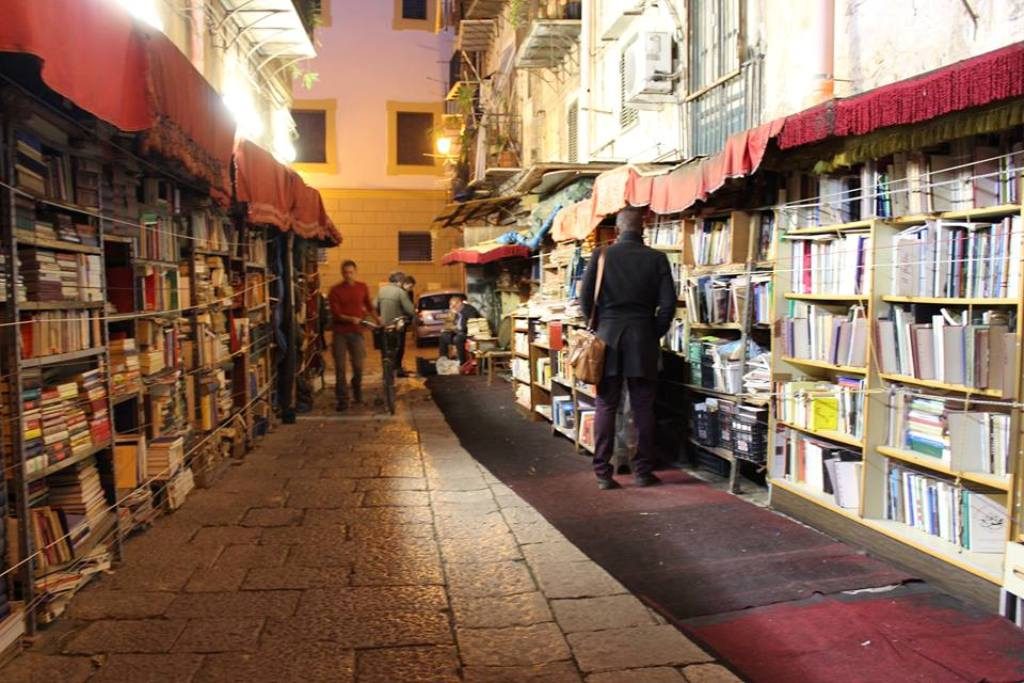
pixel 627 72
pixel 415 247
pixel 573 124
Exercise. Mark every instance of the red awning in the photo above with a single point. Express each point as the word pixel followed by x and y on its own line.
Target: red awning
pixel 480 255
pixel 685 186
pixel 274 194
pixel 263 184
pixel 191 124
pixel 91 54
pixel 131 77
pixel 974 82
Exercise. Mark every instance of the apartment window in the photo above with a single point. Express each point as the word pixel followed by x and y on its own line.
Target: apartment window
pixel 311 147
pixel 317 143
pixel 573 130
pixel 411 138
pixel 413 146
pixel 415 247
pixel 714 41
pixel 414 15
pixel 628 116
pixel 414 9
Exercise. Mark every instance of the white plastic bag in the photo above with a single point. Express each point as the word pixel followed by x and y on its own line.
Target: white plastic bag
pixel 447 366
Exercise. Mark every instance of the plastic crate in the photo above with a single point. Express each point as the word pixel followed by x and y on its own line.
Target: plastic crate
pixel 712 463
pixel 726 412
pixel 705 426
pixel 750 435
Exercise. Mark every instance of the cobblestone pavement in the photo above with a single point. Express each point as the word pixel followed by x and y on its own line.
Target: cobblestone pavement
pixel 357 547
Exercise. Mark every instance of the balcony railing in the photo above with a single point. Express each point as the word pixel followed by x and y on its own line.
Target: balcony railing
pixel 728 107
pixel 547 31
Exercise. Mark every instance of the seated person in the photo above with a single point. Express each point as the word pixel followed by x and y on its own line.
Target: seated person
pixel 462 312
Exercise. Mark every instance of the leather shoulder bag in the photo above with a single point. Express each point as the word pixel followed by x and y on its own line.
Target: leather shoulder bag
pixel 586 356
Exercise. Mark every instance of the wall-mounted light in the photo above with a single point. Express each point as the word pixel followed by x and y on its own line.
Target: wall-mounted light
pixel 444 144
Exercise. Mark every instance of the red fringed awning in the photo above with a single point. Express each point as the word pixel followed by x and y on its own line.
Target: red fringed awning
pixel 191 124
pixel 974 82
pixel 479 256
pixel 91 54
pixel 274 194
pixel 136 79
pixel 309 218
pixel 262 183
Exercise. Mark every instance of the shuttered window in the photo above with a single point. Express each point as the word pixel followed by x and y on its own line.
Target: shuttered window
pixel 573 125
pixel 714 41
pixel 415 247
pixel 627 115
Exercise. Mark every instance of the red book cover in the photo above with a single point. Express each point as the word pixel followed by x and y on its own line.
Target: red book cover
pixel 555 335
pixel 121 288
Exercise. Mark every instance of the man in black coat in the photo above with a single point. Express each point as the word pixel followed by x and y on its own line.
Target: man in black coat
pixel 635 307
pixel 462 312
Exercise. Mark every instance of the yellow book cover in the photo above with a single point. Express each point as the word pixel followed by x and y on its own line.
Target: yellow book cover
pixel 825 413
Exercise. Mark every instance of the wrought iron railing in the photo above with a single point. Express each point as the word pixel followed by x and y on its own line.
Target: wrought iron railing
pixel 728 107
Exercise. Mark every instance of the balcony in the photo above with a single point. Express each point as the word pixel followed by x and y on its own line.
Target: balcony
pixel 464 81
pixel 550 32
pixel 483 9
pixel 475 35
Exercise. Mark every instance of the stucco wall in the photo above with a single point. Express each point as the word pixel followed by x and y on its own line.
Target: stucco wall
pixel 363 63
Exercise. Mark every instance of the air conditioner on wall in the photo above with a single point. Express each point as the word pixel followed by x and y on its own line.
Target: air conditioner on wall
pixel 648 64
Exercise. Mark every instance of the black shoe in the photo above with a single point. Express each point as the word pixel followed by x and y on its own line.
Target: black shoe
pixel 624 469
pixel 607 484
pixel 648 479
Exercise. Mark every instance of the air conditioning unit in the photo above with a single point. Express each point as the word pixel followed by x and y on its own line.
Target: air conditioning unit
pixel 645 57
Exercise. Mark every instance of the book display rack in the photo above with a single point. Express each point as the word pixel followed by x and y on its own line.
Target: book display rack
pixel 135 323
pixel 896 359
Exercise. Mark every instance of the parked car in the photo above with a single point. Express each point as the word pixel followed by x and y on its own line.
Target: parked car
pixel 431 314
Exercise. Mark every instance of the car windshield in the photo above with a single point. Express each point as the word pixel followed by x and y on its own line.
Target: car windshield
pixel 434 302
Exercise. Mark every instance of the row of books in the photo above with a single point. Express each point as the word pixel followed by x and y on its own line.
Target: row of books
pixel 943 428
pixel 521 370
pixel 823 406
pixel 970 519
pixel 157 239
pixel 257 249
pixel 711 242
pixel 53 332
pixel 714 299
pixel 974 349
pixel 211 280
pixel 829 264
pixel 542 371
pixel 822 467
pixel 967 176
pixel 208 231
pixel 814 332
pixel 53 276
pixel 563 413
pixel 34 221
pixel 946 259
pixel 664 235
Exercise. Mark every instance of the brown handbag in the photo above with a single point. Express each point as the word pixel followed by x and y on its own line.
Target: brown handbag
pixel 586 355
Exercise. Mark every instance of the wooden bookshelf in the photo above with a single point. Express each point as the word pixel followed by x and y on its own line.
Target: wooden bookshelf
pixel 879 294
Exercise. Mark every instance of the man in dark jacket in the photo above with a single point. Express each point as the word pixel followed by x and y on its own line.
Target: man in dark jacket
pixel 635 308
pixel 462 312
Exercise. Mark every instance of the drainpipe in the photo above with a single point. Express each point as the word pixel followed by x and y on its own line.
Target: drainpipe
pixel 825 35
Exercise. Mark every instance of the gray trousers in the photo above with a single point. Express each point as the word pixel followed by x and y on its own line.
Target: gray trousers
pixel 353 346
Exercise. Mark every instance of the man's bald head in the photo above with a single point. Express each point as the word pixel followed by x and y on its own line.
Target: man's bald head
pixel 630 219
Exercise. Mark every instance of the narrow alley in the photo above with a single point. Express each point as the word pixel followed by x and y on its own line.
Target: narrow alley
pixel 362 548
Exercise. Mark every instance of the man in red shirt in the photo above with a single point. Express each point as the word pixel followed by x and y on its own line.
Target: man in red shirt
pixel 350 305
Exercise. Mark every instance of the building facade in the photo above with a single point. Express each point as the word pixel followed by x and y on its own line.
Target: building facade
pixel 367 125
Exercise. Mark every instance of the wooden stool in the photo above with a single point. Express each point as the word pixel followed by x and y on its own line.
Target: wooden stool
pixel 490 359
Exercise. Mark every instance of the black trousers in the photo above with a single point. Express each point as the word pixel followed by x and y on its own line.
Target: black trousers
pixel 641 399
pixel 400 356
pixel 449 338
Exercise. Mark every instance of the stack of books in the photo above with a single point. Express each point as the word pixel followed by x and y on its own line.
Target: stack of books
pixel 52 540
pixel 56 437
pixel 77 492
pixel 964 348
pixel 42 275
pixel 822 467
pixel 970 519
pixel 813 332
pixel 942 428
pixel 164 455
pixel 947 259
pixel 79 435
pixel 31 171
pixel 33 445
pixel 93 393
pixel 164 405
pixel 824 406
pixel 125 375
pixel 151 361
pixel 829 264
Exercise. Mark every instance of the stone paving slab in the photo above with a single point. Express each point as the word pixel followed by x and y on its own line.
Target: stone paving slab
pixel 366 550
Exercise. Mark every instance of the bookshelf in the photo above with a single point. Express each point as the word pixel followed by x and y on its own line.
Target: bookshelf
pixel 930 318
pixel 727 304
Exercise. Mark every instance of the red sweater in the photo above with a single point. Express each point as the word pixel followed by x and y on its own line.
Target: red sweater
pixel 346 299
